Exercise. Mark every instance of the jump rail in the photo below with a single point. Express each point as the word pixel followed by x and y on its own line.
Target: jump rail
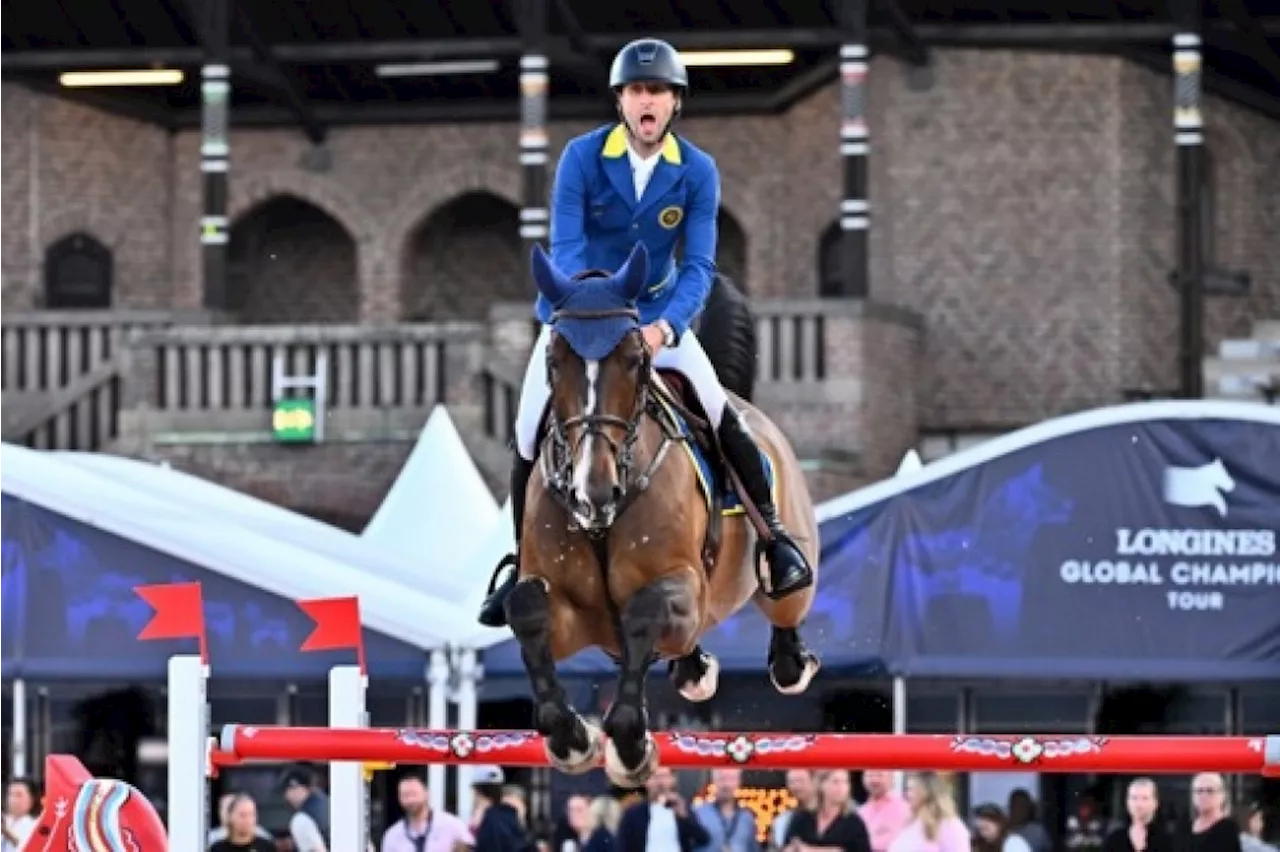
pixel 960 753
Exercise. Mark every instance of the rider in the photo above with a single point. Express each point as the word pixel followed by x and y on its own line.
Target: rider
pixel 636 181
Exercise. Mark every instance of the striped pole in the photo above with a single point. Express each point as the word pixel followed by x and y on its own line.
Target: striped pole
pixel 533 123
pixel 854 208
pixel 1188 135
pixel 215 107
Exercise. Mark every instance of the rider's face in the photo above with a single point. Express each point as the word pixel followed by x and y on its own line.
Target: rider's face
pixel 648 109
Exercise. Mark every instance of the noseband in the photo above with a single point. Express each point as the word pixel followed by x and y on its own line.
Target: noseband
pixel 557 465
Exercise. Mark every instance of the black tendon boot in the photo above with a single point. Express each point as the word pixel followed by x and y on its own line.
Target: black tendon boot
pixel 789 571
pixel 493 611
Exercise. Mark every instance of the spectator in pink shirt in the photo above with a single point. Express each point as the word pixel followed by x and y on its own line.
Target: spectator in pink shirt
pixel 885 812
pixel 424 829
pixel 934 826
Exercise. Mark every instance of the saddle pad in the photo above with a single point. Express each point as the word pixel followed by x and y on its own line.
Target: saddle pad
pixel 730 503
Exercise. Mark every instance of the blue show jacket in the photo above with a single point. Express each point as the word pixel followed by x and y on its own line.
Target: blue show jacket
pixel 596 220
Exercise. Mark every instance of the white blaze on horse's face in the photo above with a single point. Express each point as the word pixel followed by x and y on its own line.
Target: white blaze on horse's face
pixel 582 464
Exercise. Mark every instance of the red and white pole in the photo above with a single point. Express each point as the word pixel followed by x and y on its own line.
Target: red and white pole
pixel 965 753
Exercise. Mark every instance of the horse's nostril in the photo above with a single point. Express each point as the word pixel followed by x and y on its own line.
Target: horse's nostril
pixel 603 496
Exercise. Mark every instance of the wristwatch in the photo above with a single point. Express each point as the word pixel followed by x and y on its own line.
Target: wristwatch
pixel 668 333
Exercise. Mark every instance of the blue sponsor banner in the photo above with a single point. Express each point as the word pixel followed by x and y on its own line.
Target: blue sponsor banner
pixel 1144 550
pixel 69 611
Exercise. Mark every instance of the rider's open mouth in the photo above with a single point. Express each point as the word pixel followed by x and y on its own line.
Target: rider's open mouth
pixel 648 123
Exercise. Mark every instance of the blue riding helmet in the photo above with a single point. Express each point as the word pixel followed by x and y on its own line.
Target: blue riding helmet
pixel 648 60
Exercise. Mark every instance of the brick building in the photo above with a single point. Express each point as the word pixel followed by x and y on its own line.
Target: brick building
pixel 1023 211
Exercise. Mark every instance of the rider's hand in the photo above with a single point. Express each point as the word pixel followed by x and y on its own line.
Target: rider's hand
pixel 654 335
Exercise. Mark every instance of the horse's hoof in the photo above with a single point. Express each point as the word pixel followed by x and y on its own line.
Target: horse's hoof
pixel 796 683
pixel 578 762
pixel 705 687
pixel 618 772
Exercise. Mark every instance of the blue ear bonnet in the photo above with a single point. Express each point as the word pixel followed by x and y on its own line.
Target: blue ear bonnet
pixel 592 337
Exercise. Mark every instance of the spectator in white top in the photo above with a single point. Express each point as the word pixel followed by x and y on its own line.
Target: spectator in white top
pixel 21 812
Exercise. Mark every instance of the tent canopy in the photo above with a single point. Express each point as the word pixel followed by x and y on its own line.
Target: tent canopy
pixel 246 540
pixel 439 505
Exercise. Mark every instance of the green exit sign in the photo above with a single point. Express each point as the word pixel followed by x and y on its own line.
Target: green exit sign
pixel 293 421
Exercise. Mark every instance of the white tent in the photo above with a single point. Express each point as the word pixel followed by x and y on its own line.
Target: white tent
pixel 439 509
pixel 218 529
pixel 496 541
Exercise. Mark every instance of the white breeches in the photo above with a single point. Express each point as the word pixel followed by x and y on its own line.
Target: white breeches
pixel 688 358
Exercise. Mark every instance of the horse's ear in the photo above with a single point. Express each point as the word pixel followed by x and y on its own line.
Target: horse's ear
pixel 633 275
pixel 549 280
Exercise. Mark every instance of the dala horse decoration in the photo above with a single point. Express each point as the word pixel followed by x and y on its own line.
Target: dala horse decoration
pixel 655 564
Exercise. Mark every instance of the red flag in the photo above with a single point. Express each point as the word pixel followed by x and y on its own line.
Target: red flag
pixel 337 625
pixel 179 613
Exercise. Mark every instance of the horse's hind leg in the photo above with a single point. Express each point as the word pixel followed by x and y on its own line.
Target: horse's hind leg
pixel 792 665
pixel 666 609
pixel 573 745
pixel 696 675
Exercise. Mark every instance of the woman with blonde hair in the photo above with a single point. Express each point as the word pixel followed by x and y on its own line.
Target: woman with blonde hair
pixel 934 825
pixel 834 823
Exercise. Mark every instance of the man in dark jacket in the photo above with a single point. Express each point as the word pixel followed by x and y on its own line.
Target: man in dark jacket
pixel 500 828
pixel 309 825
pixel 663 823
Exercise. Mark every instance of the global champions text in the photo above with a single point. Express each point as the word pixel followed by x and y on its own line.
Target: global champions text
pixel 1250 563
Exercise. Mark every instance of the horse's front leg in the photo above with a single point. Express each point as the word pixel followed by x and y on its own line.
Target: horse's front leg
pixel 665 609
pixel 573 744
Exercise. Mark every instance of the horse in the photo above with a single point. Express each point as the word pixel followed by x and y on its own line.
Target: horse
pixel 625 545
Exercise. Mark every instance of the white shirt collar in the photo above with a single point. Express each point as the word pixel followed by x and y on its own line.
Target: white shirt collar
pixel 642 168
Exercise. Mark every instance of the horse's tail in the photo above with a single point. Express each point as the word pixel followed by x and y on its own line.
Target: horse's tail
pixel 727 331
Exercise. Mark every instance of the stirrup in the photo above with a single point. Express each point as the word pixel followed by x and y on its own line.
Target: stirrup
pixel 510 560
pixel 780 558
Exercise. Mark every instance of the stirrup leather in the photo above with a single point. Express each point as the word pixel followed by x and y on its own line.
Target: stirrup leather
pixel 510 560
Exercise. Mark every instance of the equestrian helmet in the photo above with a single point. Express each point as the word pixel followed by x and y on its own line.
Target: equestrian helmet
pixel 648 60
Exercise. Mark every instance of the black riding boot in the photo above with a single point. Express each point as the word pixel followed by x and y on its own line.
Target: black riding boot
pixel 493 611
pixel 789 571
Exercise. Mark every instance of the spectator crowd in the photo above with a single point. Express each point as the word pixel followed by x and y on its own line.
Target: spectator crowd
pixel 825 818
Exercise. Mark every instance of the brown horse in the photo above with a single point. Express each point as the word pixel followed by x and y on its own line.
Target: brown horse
pixel 630 567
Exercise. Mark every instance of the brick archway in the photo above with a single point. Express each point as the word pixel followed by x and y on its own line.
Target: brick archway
pixel 418 205
pixel 733 249
pixel 314 190
pixel 107 230
pixel 328 197
pixel 739 203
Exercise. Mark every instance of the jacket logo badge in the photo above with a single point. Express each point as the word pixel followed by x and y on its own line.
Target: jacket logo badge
pixel 670 217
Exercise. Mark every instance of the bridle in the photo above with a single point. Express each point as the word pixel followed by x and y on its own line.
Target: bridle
pixel 557 464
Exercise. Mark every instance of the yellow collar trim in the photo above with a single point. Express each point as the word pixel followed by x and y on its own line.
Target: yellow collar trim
pixel 615 145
